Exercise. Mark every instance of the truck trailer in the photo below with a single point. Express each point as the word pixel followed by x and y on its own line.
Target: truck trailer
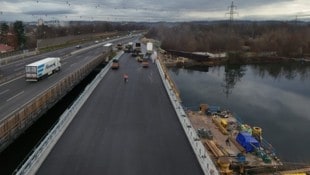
pixel 149 48
pixel 42 68
pixel 137 49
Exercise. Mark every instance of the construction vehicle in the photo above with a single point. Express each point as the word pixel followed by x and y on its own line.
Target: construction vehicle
pixel 149 48
pixel 115 63
pixel 137 49
pixel 119 46
pixel 128 47
pixel 148 54
pixel 145 62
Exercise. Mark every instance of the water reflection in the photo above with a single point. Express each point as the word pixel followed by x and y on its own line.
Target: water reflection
pixel 273 96
pixel 233 74
pixel 288 70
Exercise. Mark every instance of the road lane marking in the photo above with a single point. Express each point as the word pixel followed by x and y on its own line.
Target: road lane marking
pixel 150 78
pixel 18 69
pixel 15 96
pixel 20 64
pixel 22 76
pixel 3 92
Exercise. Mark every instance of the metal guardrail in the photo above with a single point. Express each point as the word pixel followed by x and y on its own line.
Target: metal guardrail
pixel 202 155
pixel 43 149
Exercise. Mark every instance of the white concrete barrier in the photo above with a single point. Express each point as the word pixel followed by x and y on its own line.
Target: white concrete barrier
pixel 202 155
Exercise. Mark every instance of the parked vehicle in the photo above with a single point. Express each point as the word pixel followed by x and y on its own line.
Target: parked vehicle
pixel 119 46
pixel 128 47
pixel 137 49
pixel 42 68
pixel 115 64
pixel 145 62
pixel 149 48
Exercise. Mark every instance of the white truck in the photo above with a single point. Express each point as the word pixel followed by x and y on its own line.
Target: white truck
pixel 42 68
pixel 149 48
pixel 137 49
pixel 148 53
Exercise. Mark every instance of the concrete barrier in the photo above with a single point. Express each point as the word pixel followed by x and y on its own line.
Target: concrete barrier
pixel 202 155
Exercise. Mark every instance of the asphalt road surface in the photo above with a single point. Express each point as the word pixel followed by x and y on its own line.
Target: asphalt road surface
pixel 124 129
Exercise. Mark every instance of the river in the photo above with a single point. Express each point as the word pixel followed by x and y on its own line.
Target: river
pixel 275 97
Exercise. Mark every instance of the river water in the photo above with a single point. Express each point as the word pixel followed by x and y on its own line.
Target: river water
pixel 275 97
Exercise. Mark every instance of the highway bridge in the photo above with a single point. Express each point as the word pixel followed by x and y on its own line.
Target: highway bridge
pixel 122 128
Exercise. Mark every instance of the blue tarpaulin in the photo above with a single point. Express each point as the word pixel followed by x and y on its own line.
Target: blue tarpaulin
pixel 247 141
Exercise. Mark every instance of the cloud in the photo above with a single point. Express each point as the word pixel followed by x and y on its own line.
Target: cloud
pixel 149 10
pixel 49 12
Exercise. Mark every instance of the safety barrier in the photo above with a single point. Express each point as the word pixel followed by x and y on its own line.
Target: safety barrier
pixel 41 152
pixel 202 155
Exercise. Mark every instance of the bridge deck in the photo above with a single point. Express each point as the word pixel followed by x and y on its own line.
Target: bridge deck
pixel 124 129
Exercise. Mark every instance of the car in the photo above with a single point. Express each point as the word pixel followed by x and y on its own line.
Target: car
pixel 96 41
pixel 78 46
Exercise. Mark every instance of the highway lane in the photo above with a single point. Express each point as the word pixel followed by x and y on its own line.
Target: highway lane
pixel 16 93
pixel 18 66
pixel 15 67
pixel 124 129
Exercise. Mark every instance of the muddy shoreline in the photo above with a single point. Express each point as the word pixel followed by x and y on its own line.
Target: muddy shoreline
pixel 177 61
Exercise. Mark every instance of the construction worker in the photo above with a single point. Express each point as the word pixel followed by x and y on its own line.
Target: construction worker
pixel 227 142
pixel 125 78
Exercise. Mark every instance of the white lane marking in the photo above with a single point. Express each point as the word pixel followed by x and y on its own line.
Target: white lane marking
pixel 3 92
pixel 15 96
pixel 22 76
pixel 18 69
pixel 151 77
pixel 20 64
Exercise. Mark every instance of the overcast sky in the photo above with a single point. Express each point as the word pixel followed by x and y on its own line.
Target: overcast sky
pixel 152 10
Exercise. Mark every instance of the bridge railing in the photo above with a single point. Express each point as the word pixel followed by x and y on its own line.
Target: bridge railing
pixel 202 155
pixel 33 163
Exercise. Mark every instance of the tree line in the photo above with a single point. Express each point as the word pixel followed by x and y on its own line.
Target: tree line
pixel 284 39
pixel 17 39
pixel 24 36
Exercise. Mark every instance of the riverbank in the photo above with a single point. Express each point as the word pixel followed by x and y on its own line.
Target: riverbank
pixel 261 95
pixel 172 60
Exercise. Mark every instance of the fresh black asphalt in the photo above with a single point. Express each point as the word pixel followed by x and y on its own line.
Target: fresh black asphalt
pixel 124 129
